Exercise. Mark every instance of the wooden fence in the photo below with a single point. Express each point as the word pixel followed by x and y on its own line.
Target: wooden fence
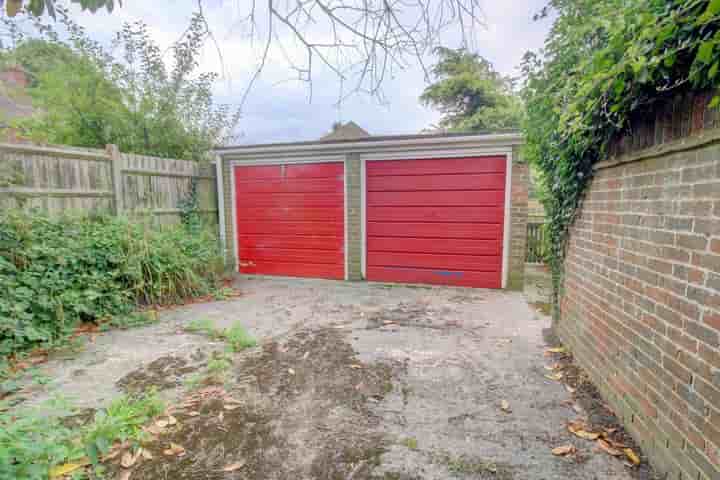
pixel 536 242
pixel 59 179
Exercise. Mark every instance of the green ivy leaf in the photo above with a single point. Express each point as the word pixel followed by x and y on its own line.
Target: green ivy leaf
pixel 715 101
pixel 713 70
pixel 713 8
pixel 705 51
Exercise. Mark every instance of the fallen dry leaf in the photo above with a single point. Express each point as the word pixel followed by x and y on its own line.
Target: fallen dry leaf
pixel 171 420
pixel 556 350
pixel 355 366
pixel 552 367
pixel 233 466
pixel 162 423
pixel 563 450
pixel 505 406
pixel 125 475
pixel 632 456
pixel 193 414
pixel 66 468
pixel 129 459
pixel 607 448
pixel 174 450
pixel 570 389
pixel 145 453
pixel 231 407
pixel 555 376
pixel 578 429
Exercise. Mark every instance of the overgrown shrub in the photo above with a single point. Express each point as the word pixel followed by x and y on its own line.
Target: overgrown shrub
pixel 35 444
pixel 56 272
pixel 604 62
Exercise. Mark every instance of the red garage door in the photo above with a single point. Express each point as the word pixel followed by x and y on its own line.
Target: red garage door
pixel 290 220
pixel 436 221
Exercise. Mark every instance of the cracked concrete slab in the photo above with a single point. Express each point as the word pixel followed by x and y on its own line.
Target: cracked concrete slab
pixel 462 351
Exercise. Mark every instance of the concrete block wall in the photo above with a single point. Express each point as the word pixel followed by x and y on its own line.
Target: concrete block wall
pixel 640 307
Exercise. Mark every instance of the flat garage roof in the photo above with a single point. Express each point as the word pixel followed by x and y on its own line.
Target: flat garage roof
pixel 380 142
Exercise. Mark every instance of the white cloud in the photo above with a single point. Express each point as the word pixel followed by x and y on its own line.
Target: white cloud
pixel 278 109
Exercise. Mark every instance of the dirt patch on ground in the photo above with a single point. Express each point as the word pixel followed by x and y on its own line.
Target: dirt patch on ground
pixel 163 373
pixel 406 314
pixel 301 408
pixel 597 416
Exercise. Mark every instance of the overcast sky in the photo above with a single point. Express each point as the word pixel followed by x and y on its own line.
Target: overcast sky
pixel 278 108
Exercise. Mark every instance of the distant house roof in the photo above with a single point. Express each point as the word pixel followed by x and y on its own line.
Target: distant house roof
pixel 14 99
pixel 347 131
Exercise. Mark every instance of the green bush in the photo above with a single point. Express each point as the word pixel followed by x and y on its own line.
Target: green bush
pixel 33 442
pixel 604 64
pixel 56 272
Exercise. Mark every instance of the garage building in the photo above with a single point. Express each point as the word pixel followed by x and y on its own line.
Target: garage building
pixel 445 209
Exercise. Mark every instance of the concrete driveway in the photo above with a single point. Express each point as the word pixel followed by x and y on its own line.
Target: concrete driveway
pixel 354 381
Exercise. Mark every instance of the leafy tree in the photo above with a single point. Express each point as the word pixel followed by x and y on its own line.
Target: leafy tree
pixel 40 7
pixel 470 94
pixel 605 61
pixel 90 96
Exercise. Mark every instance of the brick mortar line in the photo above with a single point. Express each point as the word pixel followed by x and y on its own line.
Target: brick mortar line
pixel 620 396
pixel 625 342
pixel 702 308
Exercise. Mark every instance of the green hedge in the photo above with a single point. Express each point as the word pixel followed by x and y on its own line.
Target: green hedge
pixel 604 63
pixel 56 272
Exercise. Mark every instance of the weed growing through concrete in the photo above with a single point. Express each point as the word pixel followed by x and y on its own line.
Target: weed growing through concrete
pixel 410 442
pixel 237 337
pixel 204 326
pixel 214 374
pixel 35 444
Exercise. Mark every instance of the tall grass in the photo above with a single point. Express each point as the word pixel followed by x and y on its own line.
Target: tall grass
pixel 56 272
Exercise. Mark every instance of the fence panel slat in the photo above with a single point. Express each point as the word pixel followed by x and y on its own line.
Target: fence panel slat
pixel 59 178
pixel 536 243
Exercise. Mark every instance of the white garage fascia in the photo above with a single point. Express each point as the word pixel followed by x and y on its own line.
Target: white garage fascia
pixel 428 154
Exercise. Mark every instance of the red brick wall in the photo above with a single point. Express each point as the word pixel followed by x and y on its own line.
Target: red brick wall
pixel 640 306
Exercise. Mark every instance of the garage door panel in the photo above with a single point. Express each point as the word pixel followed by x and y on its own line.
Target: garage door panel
pixel 294 213
pixel 435 277
pixel 288 269
pixel 436 221
pixel 431 245
pixel 476 231
pixel 291 228
pixel 314 185
pixel 290 220
pixel 462 198
pixel 463 263
pixel 439 166
pixel 293 255
pixel 297 200
pixel 410 183
pixel 324 170
pixel 292 242
pixel 436 214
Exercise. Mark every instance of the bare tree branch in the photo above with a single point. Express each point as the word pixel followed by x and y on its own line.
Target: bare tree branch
pixel 362 41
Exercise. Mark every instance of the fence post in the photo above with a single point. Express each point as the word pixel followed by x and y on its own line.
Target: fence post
pixel 116 165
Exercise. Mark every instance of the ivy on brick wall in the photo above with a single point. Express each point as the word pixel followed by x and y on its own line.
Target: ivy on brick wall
pixel 605 61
